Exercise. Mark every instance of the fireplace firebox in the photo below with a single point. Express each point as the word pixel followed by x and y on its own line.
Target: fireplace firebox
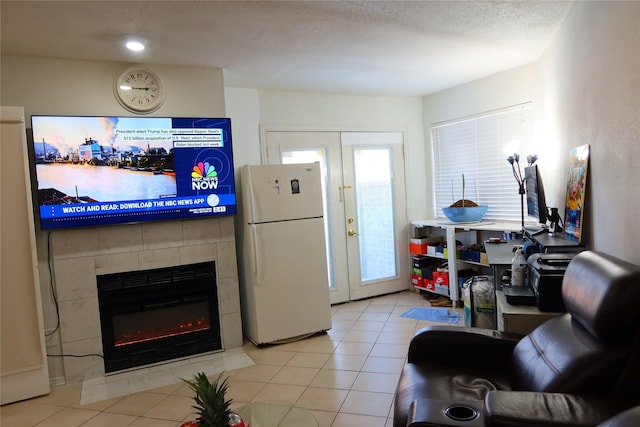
pixel 157 315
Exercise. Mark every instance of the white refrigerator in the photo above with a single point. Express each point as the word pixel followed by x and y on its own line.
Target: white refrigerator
pixel 283 266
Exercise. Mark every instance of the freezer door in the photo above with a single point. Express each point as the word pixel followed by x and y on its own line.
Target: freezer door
pixel 287 280
pixel 281 192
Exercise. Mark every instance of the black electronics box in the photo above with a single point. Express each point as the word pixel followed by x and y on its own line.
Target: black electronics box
pixel 519 295
pixel 545 272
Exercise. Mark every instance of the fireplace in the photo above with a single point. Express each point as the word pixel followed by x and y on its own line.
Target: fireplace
pixel 157 315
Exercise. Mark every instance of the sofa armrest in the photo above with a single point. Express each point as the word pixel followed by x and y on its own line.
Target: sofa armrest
pixel 434 412
pixel 482 347
pixel 525 408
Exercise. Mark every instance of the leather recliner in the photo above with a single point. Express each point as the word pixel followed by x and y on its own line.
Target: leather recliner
pixel 628 418
pixel 580 368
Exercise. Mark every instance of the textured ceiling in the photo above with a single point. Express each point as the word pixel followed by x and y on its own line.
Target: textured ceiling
pixel 351 47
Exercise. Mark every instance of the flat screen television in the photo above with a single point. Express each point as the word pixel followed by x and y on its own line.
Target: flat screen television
pixel 536 204
pixel 101 170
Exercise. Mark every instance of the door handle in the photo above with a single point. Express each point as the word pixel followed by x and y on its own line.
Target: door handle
pixel 352 233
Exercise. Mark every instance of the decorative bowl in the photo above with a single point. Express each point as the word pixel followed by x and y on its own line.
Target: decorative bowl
pixel 467 214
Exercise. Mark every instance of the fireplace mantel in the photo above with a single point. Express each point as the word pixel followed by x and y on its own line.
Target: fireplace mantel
pixel 81 255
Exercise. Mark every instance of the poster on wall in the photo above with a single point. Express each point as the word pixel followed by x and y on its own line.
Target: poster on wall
pixel 576 186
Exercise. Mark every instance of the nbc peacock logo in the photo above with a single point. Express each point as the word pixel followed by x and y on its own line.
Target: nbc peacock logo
pixel 204 177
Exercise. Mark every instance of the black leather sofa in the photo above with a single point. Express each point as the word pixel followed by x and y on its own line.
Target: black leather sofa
pixel 581 368
pixel 628 418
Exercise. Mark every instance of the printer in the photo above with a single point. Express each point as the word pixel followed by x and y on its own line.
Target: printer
pixel 545 274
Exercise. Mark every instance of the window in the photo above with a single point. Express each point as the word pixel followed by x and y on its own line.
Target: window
pixel 478 147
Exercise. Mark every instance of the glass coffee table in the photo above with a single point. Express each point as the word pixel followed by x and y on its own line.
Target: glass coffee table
pixel 276 414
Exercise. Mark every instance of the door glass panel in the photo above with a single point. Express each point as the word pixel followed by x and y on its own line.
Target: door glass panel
pixel 290 156
pixel 374 194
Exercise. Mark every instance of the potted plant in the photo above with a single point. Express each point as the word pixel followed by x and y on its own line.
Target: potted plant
pixel 464 210
pixel 214 410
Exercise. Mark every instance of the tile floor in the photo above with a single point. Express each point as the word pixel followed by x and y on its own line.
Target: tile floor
pixel 346 377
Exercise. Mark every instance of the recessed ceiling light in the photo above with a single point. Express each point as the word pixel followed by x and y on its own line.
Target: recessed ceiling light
pixel 135 45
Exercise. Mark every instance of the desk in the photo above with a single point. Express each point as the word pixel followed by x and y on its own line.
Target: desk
pixel 520 319
pixel 500 256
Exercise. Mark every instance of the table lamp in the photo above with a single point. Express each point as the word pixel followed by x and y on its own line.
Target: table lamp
pixel 514 161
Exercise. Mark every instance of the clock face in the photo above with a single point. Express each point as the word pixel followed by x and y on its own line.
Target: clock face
pixel 139 90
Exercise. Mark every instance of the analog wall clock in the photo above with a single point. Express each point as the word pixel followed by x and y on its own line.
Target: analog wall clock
pixel 139 89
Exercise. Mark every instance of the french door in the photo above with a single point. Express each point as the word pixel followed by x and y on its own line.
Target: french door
pixel 364 205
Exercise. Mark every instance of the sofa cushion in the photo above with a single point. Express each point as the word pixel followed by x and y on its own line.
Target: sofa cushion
pixel 562 356
pixel 525 408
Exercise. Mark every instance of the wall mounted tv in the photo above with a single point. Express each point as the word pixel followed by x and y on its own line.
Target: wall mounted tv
pixel 94 171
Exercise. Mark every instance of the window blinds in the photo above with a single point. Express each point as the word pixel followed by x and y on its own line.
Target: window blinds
pixel 478 147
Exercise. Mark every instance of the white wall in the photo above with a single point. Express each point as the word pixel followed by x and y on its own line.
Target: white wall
pixel 512 87
pixel 243 108
pixel 318 112
pixel 591 77
pixel 56 86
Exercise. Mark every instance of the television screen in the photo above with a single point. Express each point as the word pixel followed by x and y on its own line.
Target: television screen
pixel 93 171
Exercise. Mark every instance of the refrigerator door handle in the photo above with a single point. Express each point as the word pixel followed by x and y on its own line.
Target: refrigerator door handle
pixel 252 214
pixel 255 261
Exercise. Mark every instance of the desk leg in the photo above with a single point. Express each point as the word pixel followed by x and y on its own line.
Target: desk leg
pixel 453 266
pixel 496 279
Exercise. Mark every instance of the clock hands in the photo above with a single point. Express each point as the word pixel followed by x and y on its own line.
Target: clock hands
pixel 125 87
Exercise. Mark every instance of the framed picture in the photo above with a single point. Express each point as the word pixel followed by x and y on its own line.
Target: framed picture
pixel 576 187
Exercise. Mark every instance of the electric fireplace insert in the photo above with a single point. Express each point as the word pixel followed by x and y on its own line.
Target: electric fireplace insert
pixel 158 315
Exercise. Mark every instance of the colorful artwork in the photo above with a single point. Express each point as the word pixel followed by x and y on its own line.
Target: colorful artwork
pixel 576 186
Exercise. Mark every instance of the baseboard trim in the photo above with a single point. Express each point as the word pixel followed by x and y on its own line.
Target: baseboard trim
pixel 56 382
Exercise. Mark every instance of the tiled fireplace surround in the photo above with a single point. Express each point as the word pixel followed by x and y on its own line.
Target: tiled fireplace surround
pixel 80 255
